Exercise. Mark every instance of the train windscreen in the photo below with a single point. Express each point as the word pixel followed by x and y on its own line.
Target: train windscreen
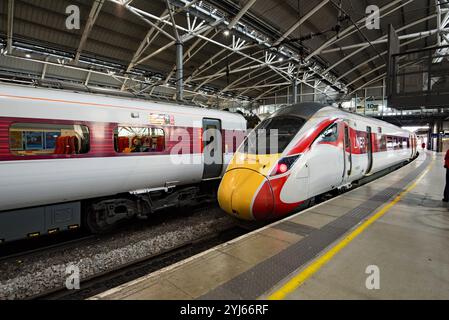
pixel 272 136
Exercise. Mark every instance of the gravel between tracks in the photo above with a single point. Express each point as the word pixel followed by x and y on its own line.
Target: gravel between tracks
pixel 20 279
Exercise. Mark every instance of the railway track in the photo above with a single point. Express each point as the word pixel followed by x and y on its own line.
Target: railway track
pixel 29 248
pixel 127 272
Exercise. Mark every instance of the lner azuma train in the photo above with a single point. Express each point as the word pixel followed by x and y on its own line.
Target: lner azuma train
pixel 68 158
pixel 319 149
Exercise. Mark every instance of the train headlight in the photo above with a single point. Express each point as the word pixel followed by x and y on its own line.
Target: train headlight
pixel 284 165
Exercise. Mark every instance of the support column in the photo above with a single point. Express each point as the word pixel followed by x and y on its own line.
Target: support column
pixel 179 71
pixel 294 91
pixel 440 136
pixel 435 136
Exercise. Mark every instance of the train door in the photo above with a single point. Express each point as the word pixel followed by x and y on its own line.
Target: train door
pixel 347 154
pixel 213 148
pixel 369 147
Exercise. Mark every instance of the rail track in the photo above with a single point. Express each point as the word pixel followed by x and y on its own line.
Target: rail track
pixel 130 271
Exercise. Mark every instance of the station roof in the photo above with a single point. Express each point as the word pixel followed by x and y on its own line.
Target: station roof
pixel 130 45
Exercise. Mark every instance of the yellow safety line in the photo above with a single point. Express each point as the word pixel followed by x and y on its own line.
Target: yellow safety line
pixel 300 278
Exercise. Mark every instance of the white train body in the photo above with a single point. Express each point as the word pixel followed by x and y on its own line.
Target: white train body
pixel 34 123
pixel 329 149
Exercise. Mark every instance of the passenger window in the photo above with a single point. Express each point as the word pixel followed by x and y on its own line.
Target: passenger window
pixel 37 139
pixel 139 139
pixel 329 135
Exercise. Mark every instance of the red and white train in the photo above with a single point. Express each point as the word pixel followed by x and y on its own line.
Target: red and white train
pixel 67 157
pixel 320 149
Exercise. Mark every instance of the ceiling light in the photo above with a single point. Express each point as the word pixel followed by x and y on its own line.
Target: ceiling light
pixel 226 33
pixel 28 55
pixel 281 59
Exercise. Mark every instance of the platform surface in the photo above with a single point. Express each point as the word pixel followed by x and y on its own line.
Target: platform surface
pixel 393 231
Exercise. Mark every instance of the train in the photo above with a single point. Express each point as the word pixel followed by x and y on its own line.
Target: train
pixel 69 159
pixel 320 149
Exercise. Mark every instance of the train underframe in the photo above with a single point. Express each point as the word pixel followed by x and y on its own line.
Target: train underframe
pixel 101 215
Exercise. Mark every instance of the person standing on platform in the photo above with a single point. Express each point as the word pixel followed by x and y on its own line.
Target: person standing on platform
pixel 446 188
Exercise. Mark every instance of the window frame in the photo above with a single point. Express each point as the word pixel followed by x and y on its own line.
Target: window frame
pixel 137 153
pixel 318 139
pixel 50 122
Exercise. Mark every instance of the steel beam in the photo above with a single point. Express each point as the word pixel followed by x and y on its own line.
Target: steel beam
pixel 93 15
pixel 301 21
pixel 239 15
pixel 10 27
pixel 343 59
pixel 403 37
pixel 294 91
pixel 189 54
pixel 197 34
pixel 179 71
pixel 352 29
pixel 373 59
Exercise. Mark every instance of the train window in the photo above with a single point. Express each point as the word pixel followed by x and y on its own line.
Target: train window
pixel 138 139
pixel 390 142
pixel 329 135
pixel 34 139
pixel 273 135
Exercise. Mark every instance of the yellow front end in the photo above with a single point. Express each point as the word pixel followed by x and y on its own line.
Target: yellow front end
pixel 244 181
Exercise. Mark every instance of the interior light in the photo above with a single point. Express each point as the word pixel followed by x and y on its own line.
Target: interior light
pixel 226 33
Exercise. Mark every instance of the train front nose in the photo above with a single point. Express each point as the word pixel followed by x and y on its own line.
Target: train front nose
pixel 246 194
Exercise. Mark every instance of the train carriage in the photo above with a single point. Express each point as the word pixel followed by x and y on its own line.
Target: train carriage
pixel 65 153
pixel 319 149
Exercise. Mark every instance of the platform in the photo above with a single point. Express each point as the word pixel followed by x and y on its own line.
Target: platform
pixel 397 225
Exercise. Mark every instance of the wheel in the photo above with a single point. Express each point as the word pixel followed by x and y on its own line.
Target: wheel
pixel 96 222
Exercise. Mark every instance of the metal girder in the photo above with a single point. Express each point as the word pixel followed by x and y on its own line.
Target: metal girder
pixel 146 42
pixel 223 72
pixel 189 55
pixel 377 78
pixel 374 58
pixel 365 74
pixel 10 27
pixel 209 63
pixel 93 15
pixel 243 79
pixel 352 29
pixel 261 86
pixel 269 91
pixel 170 44
pixel 403 37
pixel 172 18
pixel 276 76
pixel 239 52
pixel 216 75
pixel 343 59
pixel 239 15
pixel 301 21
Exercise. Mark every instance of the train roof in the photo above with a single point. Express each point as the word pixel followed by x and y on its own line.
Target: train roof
pixel 106 100
pixel 306 110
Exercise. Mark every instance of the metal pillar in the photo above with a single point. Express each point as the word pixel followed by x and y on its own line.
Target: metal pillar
pixel 179 71
pixel 294 91
pixel 440 136
pixel 436 137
